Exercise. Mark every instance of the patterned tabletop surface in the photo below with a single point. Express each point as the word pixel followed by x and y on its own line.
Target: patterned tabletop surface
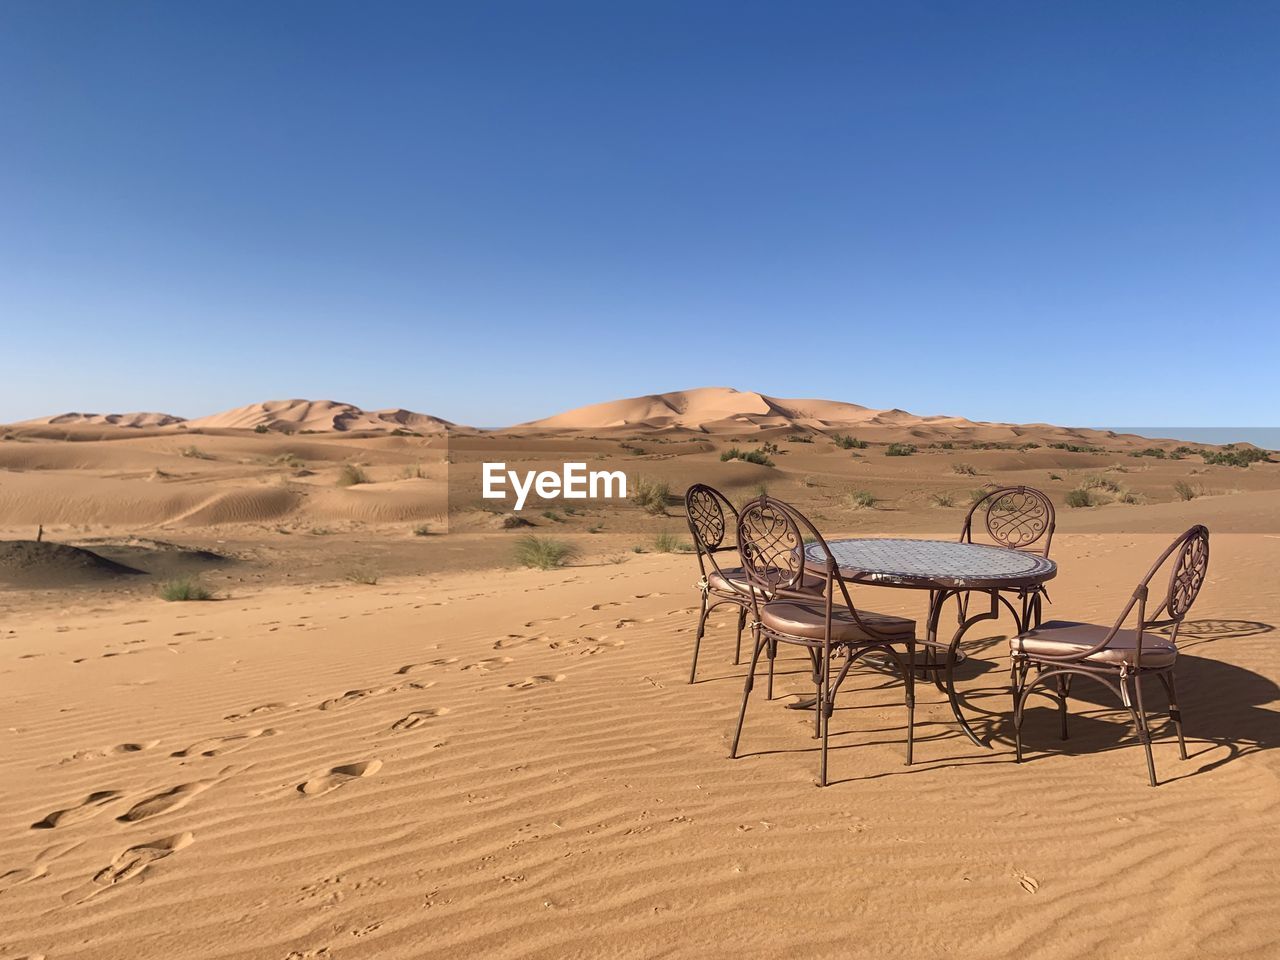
pixel 927 562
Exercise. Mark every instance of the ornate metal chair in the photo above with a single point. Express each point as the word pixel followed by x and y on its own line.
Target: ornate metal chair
pixel 771 542
pixel 1116 656
pixel 1019 518
pixel 705 507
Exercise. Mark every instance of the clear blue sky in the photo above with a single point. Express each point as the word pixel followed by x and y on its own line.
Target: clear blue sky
pixel 1058 211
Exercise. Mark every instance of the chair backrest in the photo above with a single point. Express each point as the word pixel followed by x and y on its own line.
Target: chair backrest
pixel 772 539
pixel 705 507
pixel 1190 555
pixel 1021 518
pixel 771 548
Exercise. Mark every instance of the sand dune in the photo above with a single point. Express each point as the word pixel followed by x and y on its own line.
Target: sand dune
pixel 106 419
pixel 318 415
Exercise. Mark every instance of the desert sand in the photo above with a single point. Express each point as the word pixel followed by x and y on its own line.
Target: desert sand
pixel 379 740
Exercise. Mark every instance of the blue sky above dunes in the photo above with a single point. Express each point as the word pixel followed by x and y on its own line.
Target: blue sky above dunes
pixel 495 211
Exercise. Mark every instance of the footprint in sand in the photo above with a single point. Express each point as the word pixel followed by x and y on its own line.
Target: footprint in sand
pixel 263 708
pixel 338 776
pixel 417 718
pixel 216 746
pixel 175 798
pixel 40 868
pixel 488 665
pixel 118 750
pixel 412 667
pixel 528 682
pixel 601 606
pixel 354 696
pixel 1027 882
pixel 129 864
pixel 534 623
pixel 513 640
pixel 86 809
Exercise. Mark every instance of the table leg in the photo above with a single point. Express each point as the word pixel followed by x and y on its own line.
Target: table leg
pixel 954 646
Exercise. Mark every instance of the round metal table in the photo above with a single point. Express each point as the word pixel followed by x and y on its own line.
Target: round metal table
pixel 948 570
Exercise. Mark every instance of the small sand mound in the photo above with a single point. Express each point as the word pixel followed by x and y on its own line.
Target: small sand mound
pixel 36 563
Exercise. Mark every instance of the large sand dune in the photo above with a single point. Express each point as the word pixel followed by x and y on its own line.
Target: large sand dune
pixel 316 415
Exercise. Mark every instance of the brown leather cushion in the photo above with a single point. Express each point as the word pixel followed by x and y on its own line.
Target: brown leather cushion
pixel 1065 638
pixel 798 618
pixel 734 580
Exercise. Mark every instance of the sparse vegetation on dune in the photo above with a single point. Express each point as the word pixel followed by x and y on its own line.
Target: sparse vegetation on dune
pixel 651 496
pixel 1079 497
pixel 846 442
pixel 184 588
pixel 544 553
pixel 861 499
pixel 964 469
pixel 747 456
pixel 900 450
pixel 1184 491
pixel 942 500
pixel 351 475
pixel 366 576
pixel 195 453
pixel 1232 456
pixel 670 543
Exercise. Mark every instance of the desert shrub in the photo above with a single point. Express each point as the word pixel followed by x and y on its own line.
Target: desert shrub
pixel 552 516
pixel 260 428
pixel 596 528
pixel 670 543
pixel 1130 497
pixel 1098 482
pixel 964 469
pixel 861 499
pixel 1054 476
pixel 846 442
pixel 900 450
pixel 364 575
pixel 184 588
pixel 1024 447
pixel 422 530
pixel 749 456
pixel 1154 452
pixel 413 473
pixel 651 495
pixel 761 489
pixel 1073 447
pixel 544 553
pixel 942 500
pixel 1079 497
pixel 799 438
pixel 195 453
pixel 350 475
pixel 1230 456
pixel 1183 490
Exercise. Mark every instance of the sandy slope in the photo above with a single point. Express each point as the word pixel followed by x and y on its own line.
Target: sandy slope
pixel 466 766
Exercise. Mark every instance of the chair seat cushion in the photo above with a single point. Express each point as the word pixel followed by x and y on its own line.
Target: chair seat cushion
pixel 798 618
pixel 1065 638
pixel 734 580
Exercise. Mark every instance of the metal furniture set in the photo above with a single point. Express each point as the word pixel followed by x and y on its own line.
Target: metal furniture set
pixel 792 587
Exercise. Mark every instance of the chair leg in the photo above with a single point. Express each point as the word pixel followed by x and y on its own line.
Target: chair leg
pixel 742 622
pixel 824 717
pixel 1174 713
pixel 1062 706
pixel 1140 721
pixel 697 640
pixel 773 654
pixel 910 676
pixel 1019 702
pixel 759 643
